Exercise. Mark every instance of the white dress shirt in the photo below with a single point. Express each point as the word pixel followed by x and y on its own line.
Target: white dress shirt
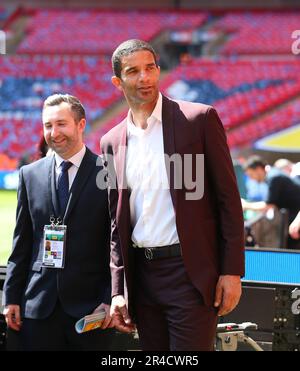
pixel 151 208
pixel 76 161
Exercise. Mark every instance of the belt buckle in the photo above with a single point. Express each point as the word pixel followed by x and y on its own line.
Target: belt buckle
pixel 148 253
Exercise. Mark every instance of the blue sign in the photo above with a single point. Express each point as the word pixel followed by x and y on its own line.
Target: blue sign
pixel 273 266
pixel 9 179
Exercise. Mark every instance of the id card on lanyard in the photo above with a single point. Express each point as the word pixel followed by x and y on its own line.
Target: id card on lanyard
pixel 54 245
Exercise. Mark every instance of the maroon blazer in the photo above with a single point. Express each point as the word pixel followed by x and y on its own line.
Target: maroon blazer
pixel 211 229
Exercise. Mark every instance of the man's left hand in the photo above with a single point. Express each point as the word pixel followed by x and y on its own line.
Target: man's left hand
pixel 108 322
pixel 228 293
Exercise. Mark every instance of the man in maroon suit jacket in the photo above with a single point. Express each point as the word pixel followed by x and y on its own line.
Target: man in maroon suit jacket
pixel 177 252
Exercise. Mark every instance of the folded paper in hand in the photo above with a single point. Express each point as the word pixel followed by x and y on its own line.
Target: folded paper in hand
pixel 90 322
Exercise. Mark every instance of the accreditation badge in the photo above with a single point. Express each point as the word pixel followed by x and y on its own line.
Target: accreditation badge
pixel 54 246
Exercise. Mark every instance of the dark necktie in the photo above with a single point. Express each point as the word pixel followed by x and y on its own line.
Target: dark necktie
pixel 63 186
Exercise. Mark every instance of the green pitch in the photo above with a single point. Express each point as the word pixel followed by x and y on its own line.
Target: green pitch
pixel 8 203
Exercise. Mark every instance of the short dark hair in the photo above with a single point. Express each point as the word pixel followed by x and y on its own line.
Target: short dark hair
pixel 254 162
pixel 126 48
pixel 74 103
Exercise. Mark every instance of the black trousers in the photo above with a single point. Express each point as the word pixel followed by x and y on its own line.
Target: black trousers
pixel 170 312
pixel 57 333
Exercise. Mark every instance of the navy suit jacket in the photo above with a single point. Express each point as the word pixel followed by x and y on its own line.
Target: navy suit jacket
pixel 84 283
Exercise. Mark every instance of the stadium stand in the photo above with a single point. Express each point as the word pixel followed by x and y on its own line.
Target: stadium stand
pixel 93 139
pixel 238 89
pixel 257 32
pixel 3 14
pixel 87 32
pixel 28 80
pixel 56 54
pixel 281 118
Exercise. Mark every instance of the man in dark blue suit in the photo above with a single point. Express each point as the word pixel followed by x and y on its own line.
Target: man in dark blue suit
pixel 42 302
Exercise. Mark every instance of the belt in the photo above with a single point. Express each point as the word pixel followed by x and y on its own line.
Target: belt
pixel 153 253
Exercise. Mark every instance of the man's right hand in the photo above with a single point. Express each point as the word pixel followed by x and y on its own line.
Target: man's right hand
pixel 119 313
pixel 13 316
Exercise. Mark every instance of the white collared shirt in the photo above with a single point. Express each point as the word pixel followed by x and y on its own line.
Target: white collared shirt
pixel 151 208
pixel 76 161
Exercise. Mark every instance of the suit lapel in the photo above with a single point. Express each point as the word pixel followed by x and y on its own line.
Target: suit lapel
pixel 86 167
pixel 169 142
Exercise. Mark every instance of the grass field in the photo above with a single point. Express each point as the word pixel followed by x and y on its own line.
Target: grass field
pixel 8 202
